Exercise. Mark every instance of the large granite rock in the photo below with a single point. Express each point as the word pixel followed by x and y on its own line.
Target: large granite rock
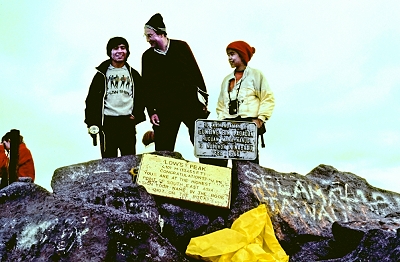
pixel 305 210
pixel 38 226
pixel 97 212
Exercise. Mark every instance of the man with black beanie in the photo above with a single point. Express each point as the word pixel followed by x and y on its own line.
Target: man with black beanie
pixel 173 83
pixel 114 104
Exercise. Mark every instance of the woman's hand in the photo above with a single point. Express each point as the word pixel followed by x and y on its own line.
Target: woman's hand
pixel 258 122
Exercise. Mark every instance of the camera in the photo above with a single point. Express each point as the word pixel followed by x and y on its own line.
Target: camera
pixel 233 107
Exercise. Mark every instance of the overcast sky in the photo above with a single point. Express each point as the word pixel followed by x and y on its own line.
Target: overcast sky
pixel 334 68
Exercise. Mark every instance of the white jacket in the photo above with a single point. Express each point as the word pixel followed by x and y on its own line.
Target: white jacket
pixel 255 97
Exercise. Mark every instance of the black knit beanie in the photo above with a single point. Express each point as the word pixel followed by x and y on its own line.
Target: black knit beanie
pixel 116 41
pixel 157 24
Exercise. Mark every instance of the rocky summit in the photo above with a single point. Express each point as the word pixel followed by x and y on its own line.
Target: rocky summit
pixel 97 212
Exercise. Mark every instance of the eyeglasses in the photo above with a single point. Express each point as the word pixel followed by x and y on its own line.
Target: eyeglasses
pixel 148 35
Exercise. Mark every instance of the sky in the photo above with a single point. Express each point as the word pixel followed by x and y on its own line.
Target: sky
pixel 334 68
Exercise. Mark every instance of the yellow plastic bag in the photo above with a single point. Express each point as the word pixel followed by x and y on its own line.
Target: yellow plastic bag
pixel 251 238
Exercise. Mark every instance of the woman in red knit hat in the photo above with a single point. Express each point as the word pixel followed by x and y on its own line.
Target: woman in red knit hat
pixel 245 94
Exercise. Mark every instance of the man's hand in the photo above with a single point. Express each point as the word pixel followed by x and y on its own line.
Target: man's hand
pixel 258 122
pixel 154 120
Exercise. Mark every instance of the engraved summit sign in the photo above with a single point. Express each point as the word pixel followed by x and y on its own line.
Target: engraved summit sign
pixel 181 179
pixel 225 139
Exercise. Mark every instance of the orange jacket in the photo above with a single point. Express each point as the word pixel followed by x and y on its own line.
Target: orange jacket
pixel 3 157
pixel 26 167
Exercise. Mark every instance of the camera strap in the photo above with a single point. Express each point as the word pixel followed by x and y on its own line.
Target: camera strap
pixel 237 93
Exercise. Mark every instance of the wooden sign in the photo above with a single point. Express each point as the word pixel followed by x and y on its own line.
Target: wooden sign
pixel 181 179
pixel 225 139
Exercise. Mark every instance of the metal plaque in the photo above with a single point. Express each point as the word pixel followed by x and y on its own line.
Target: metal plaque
pixel 225 139
pixel 181 179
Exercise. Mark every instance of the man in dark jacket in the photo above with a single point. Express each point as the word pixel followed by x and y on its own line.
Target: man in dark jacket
pixel 114 104
pixel 172 81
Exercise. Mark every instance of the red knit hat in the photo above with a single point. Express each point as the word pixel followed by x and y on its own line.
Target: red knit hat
pixel 244 49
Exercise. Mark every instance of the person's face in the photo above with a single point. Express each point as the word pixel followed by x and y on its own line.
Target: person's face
pixel 6 144
pixel 152 38
pixel 234 59
pixel 118 53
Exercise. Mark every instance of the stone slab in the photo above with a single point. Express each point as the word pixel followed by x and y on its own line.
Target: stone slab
pixel 181 179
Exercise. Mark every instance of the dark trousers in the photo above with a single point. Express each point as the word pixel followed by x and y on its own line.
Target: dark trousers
pixel 165 134
pixel 119 132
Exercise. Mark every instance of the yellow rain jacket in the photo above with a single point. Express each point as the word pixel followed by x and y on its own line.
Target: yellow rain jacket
pixel 251 238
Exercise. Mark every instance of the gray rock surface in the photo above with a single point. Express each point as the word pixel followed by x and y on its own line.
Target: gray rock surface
pixel 304 208
pixel 38 226
pixel 97 212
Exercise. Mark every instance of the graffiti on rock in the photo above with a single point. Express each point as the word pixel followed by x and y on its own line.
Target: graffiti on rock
pixel 308 200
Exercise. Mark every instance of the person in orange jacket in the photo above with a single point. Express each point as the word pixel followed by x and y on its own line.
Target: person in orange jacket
pixel 26 167
pixel 3 159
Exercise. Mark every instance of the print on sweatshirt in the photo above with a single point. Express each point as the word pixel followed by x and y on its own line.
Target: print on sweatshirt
pixel 119 95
